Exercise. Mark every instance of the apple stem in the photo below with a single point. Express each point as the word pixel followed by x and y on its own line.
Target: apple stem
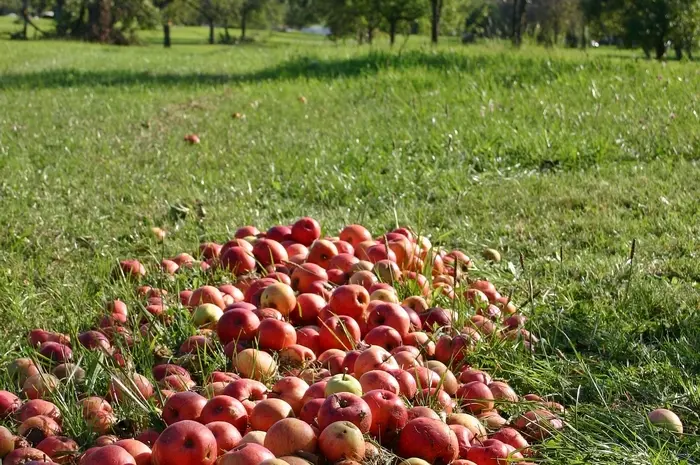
pixel 345 373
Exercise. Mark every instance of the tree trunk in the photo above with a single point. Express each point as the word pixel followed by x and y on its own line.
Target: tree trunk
pixel 211 31
pixel 166 35
pixel 25 16
pixel 679 52
pixel 244 20
pixel 584 40
pixel 435 7
pixel 392 31
pixel 514 23
pixel 58 18
pixel 370 34
pixel 522 5
pixel 660 48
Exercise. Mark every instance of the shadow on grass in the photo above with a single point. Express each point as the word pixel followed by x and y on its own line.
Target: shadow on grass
pixel 503 69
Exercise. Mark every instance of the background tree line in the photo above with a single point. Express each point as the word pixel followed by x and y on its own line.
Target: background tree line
pixel 656 26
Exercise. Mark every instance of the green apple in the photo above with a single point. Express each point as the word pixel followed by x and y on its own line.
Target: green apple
pixel 206 315
pixel 343 383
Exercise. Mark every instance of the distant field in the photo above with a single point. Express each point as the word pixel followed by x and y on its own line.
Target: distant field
pixel 560 157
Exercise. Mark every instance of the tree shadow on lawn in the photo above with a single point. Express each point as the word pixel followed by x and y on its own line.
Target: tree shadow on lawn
pixel 503 70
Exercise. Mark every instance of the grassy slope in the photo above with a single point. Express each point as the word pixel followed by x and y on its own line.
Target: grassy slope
pixel 533 152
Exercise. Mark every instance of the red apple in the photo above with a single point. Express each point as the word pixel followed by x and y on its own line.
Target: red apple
pixel 435 317
pixel 339 332
pixel 276 335
pixel 355 234
pixel 246 453
pixel 513 438
pixel 349 300
pixel 296 355
pixel 374 358
pixel 305 275
pixel 227 409
pixel 476 396
pixel 246 231
pixel 60 449
pixel 345 406
pixel 161 371
pixel 291 390
pixel 237 325
pixel 138 450
pixel 191 443
pixel 464 438
pixel 290 436
pixel 40 385
pixel 309 412
pixel 227 436
pixel 307 309
pixel 57 352
pixel 384 336
pixel 389 414
pixel 422 412
pixel 378 379
pixel 255 364
pixel 321 252
pixel 37 407
pixel 343 262
pixel 246 390
pixel 306 231
pixel 183 406
pixel 269 411
pixel 428 439
pixel 238 260
pixel 269 252
pixel 9 404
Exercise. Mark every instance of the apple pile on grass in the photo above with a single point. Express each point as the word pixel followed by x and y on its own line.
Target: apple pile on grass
pixel 315 350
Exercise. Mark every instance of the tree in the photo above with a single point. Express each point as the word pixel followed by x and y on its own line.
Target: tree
pixel 247 8
pixel 435 14
pixel 395 11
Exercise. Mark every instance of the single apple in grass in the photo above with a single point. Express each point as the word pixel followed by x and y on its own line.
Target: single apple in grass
pixel 131 269
pixel 422 411
pixel 183 259
pixel 308 308
pixel 354 234
pixel 181 406
pixel 339 332
pixel 384 295
pixel 374 358
pixel 275 334
pixel 37 407
pixel 666 420
pixel 190 442
pixel 378 379
pixel 429 439
pixel 349 300
pixel 468 374
pixel 296 355
pixel 342 440
pixel 269 252
pixel 309 412
pixel 39 336
pixel 476 397
pixel 269 411
pixel 464 439
pixel 407 383
pixel 345 406
pixel 137 386
pixel 290 436
pixel 227 436
pixel 316 390
pixel 365 279
pixel 448 381
pixel 321 252
pixel 137 449
pixel 36 429
pixel 280 297
pixel 57 352
pixel 206 315
pixel 226 409
pixel 343 262
pixel 512 437
pixel 470 422
pixel 246 390
pixel 343 383
pixel 389 414
pixel 7 441
pixel 305 231
pixel 246 454
pixel 40 385
pixel 255 364
pixel 291 390
pixel 9 404
pixel 206 295
pixel 385 337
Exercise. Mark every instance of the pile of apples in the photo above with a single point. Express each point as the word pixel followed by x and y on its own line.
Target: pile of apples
pixel 338 353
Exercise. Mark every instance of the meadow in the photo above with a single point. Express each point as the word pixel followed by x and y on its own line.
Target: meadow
pixel 560 159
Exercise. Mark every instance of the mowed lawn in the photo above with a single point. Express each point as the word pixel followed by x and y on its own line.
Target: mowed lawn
pixel 559 159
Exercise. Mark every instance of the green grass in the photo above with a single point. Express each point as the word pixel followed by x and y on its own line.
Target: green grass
pixel 563 158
